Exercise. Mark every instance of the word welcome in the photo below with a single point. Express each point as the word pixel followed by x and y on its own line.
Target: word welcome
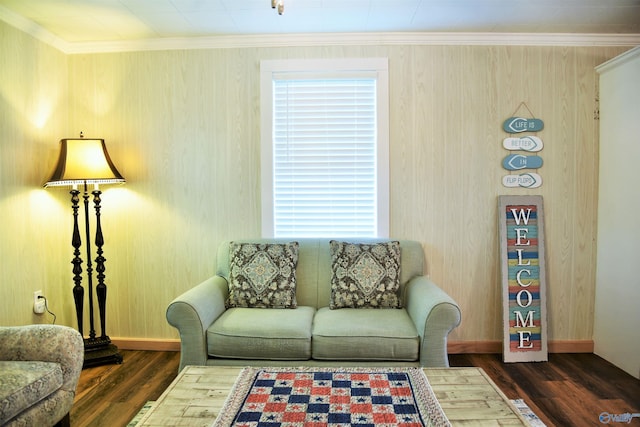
pixel 525 332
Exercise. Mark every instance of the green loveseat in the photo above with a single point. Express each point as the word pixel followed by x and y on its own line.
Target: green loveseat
pixel 312 333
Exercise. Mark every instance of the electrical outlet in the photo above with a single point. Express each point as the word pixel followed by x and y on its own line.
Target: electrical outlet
pixel 39 304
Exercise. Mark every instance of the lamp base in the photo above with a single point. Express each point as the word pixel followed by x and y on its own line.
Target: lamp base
pixel 100 351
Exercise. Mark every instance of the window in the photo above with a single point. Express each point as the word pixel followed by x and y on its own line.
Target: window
pixel 325 148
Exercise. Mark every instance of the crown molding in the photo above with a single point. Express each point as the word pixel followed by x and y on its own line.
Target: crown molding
pixel 360 39
pixel 32 29
pixel 318 39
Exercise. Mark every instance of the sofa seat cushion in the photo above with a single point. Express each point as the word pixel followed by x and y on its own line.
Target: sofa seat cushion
pixel 364 334
pixel 25 383
pixel 262 333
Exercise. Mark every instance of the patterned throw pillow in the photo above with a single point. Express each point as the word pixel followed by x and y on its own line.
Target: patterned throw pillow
pixel 365 275
pixel 262 275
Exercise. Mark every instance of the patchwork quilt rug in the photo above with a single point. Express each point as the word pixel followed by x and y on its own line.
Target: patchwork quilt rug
pixel 331 397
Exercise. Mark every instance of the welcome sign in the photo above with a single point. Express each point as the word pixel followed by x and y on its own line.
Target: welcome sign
pixel 523 278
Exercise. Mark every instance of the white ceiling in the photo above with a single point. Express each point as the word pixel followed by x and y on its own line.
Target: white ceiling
pixel 75 21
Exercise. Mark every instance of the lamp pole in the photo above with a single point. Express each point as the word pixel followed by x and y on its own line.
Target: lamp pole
pixel 92 329
pixel 101 288
pixel 78 290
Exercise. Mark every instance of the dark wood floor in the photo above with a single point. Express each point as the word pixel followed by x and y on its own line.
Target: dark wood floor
pixel 111 395
pixel 569 390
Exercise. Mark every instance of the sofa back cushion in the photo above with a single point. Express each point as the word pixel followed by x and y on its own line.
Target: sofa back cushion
pixel 313 274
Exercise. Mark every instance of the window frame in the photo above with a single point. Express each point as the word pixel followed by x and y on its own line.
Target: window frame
pixel 325 68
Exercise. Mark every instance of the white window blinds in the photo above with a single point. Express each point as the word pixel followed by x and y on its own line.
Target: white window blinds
pixel 324 156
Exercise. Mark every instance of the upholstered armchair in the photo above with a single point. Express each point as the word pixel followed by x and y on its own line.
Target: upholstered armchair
pixel 39 370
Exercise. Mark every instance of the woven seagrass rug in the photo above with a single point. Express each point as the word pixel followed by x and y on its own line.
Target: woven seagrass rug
pixel 331 397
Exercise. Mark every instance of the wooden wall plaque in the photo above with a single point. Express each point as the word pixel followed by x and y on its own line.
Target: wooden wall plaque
pixel 522 257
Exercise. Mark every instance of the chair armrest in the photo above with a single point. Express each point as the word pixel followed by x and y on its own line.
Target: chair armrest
pixel 192 313
pixel 435 314
pixel 45 343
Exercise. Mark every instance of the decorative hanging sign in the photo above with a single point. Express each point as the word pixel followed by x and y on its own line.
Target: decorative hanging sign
pixel 526 143
pixel 522 124
pixel 522 255
pixel 525 180
pixel 514 162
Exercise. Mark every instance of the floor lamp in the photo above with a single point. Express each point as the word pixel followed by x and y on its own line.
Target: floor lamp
pixel 85 162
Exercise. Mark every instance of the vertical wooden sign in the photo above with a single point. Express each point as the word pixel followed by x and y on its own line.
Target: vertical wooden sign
pixel 523 278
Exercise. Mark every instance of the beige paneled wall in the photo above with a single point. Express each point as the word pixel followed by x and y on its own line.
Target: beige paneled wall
pixel 33 117
pixel 183 128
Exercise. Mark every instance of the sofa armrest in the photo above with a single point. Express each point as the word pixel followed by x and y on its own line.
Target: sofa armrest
pixel 192 313
pixel 45 343
pixel 435 314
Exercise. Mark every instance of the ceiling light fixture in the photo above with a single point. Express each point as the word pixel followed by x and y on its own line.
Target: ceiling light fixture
pixel 279 4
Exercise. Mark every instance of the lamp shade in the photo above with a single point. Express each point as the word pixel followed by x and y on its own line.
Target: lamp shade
pixel 84 161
